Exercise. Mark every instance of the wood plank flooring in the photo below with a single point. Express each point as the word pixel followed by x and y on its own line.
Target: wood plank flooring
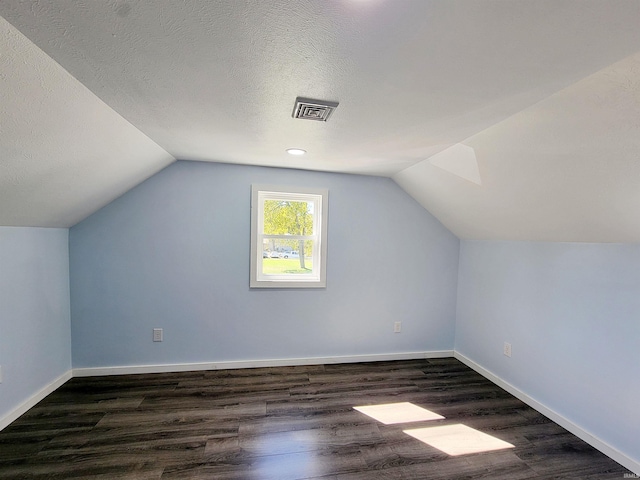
pixel 285 424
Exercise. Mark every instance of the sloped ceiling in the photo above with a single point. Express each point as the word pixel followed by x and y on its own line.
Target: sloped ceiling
pixel 546 93
pixel 63 152
pixel 564 169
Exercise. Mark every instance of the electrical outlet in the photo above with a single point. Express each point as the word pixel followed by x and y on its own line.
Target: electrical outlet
pixel 397 327
pixel 507 349
pixel 157 334
pixel 0 373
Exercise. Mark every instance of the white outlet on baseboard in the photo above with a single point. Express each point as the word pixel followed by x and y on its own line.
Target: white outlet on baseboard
pixel 397 327
pixel 157 334
pixel 507 349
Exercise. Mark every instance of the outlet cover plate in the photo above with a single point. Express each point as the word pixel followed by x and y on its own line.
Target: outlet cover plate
pixel 157 334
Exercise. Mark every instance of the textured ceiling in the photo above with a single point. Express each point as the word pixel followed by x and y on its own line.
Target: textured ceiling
pixel 63 152
pixel 546 93
pixel 564 169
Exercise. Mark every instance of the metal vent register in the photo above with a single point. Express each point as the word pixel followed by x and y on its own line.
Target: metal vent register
pixel 309 109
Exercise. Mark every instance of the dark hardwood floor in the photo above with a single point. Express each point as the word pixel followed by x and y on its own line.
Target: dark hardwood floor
pixel 287 423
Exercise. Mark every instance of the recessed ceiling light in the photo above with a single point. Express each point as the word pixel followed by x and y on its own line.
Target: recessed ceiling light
pixel 296 151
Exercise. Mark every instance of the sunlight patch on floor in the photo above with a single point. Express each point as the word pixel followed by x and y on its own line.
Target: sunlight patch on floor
pixel 458 439
pixel 404 412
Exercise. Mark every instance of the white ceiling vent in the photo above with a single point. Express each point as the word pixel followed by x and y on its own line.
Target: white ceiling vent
pixel 309 109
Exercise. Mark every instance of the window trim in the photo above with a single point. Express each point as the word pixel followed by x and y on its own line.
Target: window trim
pixel 259 193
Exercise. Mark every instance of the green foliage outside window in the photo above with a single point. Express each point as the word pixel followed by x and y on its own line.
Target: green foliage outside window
pixel 289 218
pixel 293 218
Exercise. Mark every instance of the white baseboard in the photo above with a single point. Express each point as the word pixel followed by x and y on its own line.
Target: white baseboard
pixel 577 430
pixel 280 362
pixel 35 398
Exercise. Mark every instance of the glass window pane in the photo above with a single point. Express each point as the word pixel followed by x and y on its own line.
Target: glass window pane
pixel 282 217
pixel 287 257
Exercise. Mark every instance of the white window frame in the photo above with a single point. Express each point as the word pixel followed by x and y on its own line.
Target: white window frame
pixel 320 199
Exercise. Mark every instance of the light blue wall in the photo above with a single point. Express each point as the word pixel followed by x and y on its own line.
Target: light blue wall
pixel 572 315
pixel 35 332
pixel 174 253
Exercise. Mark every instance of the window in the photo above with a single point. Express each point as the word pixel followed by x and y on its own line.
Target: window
pixel 288 237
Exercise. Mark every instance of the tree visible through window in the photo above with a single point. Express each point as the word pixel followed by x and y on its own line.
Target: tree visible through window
pixel 282 218
pixel 288 237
